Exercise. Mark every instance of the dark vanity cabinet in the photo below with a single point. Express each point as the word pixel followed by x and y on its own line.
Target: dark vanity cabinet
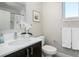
pixel 34 50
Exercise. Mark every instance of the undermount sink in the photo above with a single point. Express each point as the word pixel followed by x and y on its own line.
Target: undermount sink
pixel 21 41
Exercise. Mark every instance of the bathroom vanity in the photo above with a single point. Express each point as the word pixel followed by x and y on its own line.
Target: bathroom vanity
pixel 22 48
pixel 31 51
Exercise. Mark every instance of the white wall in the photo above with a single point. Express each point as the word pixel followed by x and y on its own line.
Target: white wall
pixel 52 21
pixel 36 26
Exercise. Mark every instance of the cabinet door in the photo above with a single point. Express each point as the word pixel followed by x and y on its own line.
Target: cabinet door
pixel 75 38
pixel 36 50
pixel 20 53
pixel 28 51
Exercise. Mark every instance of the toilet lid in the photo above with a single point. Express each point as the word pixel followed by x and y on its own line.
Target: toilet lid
pixel 49 49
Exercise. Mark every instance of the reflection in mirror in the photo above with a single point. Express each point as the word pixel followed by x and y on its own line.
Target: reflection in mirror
pixel 9 20
pixel 12 21
pixel 18 18
pixel 12 9
pixel 4 20
pixel 10 16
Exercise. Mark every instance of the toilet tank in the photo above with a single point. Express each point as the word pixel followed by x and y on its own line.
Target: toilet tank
pixel 43 39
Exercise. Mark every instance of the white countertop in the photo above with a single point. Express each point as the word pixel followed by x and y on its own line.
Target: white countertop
pixel 6 49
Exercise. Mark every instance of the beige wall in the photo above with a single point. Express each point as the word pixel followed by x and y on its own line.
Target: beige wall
pixel 52 21
pixel 36 26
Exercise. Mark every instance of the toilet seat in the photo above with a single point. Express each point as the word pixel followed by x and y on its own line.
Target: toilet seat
pixel 49 49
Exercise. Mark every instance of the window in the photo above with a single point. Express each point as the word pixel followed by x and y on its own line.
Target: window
pixel 71 9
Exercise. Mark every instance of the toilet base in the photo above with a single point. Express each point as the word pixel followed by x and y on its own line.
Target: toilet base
pixel 47 55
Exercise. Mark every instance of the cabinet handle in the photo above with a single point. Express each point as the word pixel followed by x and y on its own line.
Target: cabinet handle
pixel 31 50
pixel 27 52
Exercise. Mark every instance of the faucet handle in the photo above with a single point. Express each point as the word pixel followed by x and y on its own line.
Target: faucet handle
pixel 30 33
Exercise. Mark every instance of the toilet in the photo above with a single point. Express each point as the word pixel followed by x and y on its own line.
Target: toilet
pixel 47 50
